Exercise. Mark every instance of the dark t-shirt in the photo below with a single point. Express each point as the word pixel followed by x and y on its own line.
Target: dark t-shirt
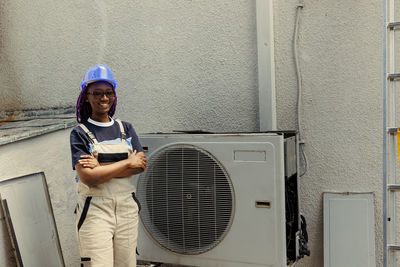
pixel 81 145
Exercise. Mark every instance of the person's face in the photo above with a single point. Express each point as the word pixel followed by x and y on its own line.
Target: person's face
pixel 101 97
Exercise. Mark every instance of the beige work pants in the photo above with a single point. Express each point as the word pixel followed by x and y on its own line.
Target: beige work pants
pixel 107 231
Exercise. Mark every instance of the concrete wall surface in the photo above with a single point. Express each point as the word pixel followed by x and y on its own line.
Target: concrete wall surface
pixel 193 65
pixel 176 61
pixel 340 55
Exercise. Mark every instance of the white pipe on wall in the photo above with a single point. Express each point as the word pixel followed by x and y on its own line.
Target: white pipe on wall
pixel 266 65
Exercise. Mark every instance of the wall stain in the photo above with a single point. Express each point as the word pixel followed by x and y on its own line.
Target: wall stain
pixel 10 91
pixel 8 119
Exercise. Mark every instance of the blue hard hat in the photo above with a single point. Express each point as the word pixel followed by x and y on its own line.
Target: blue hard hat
pixel 99 72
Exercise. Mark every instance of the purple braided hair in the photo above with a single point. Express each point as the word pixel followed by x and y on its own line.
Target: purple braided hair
pixel 84 110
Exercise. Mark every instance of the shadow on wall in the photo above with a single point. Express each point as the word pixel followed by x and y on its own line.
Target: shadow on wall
pixel 9 94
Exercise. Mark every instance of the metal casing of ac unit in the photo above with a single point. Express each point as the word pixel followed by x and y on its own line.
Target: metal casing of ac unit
pixel 254 163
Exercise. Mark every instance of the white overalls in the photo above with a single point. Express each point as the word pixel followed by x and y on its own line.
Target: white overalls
pixel 107 214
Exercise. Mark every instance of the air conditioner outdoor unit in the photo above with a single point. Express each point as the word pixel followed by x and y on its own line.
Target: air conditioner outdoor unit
pixel 219 199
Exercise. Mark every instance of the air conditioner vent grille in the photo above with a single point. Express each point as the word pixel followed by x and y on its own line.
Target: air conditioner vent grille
pixel 187 199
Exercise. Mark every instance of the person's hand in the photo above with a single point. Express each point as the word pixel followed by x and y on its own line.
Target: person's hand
pixel 88 161
pixel 137 160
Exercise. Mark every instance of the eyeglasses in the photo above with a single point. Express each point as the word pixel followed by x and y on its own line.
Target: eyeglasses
pixel 98 94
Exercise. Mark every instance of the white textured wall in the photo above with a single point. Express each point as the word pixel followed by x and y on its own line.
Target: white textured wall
pixel 340 50
pixel 192 64
pixel 180 64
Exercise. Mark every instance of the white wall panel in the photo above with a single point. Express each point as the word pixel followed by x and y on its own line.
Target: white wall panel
pixel 349 238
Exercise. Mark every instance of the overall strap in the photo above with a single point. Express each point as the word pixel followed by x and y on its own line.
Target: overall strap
pixel 89 133
pixel 121 127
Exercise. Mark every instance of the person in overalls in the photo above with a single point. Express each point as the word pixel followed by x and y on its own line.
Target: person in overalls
pixel 105 154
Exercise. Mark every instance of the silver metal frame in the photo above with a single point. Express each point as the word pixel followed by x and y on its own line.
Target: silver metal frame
pixel 389 134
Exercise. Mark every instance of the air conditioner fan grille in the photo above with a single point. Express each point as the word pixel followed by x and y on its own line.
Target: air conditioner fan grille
pixel 187 199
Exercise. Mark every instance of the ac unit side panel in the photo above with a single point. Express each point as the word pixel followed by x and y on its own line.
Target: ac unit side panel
pixel 257 234
pixel 257 231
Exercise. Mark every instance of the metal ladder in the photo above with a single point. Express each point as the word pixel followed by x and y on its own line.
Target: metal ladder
pixel 390 187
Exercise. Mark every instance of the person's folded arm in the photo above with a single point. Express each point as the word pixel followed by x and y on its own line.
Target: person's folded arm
pixel 129 172
pixel 93 174
pixel 134 171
